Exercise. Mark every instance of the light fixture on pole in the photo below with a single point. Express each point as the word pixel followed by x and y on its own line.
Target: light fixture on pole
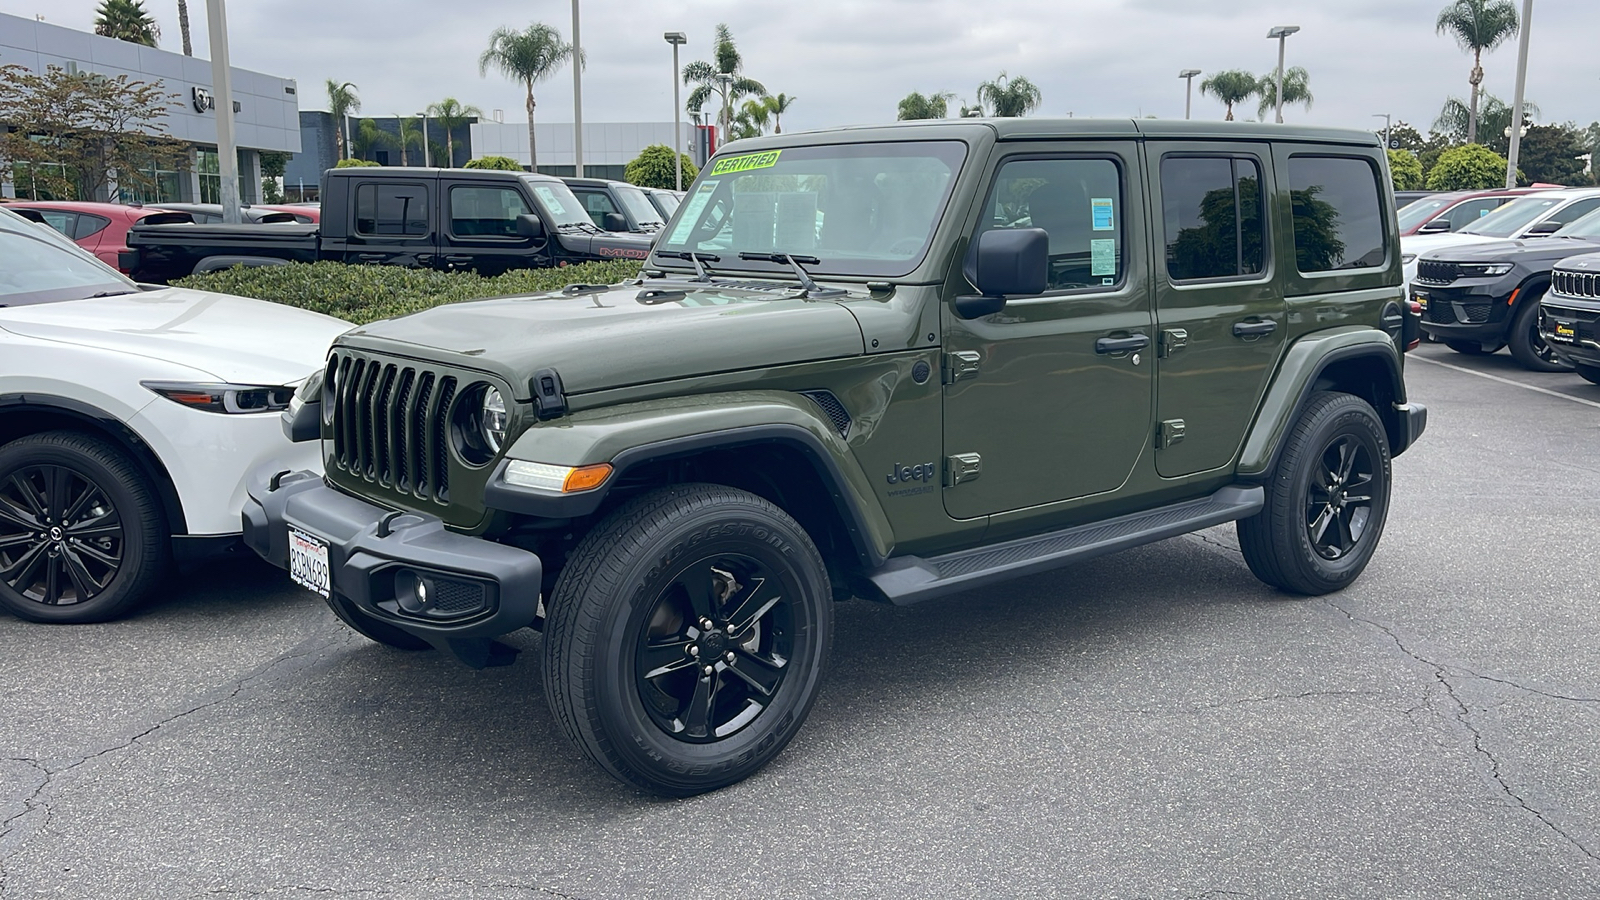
pixel 725 117
pixel 427 161
pixel 1516 101
pixel 1281 32
pixel 577 95
pixel 1388 125
pixel 222 88
pixel 676 39
pixel 1188 92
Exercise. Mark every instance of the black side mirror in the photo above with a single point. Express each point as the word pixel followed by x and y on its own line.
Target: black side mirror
pixel 1006 262
pixel 1435 226
pixel 615 222
pixel 530 226
pixel 1544 228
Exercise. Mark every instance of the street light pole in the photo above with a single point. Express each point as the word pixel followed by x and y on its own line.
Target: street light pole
pixel 222 87
pixel 1516 102
pixel 1388 125
pixel 1188 92
pixel 427 161
pixel 577 95
pixel 676 39
pixel 1281 32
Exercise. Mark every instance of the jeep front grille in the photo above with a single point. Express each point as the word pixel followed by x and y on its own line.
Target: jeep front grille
pixel 1432 272
pixel 1575 284
pixel 390 424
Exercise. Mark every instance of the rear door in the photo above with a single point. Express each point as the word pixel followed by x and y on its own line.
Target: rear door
pixel 392 223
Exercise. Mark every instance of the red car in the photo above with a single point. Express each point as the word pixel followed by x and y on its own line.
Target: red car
pixel 1441 213
pixel 100 228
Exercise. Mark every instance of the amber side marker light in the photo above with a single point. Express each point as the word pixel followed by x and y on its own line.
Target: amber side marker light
pixel 586 478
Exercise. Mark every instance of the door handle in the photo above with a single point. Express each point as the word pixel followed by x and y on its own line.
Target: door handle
pixel 457 259
pixel 1122 345
pixel 372 257
pixel 1254 329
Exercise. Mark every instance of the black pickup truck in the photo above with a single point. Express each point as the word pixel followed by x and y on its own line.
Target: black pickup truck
pixel 482 220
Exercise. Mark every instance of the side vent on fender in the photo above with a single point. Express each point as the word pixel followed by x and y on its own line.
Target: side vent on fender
pixel 833 409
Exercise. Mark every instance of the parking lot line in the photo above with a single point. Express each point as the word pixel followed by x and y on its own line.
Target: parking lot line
pixel 1526 387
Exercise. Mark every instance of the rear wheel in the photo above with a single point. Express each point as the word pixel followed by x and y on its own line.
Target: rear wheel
pixel 82 538
pixel 1590 374
pixel 1327 501
pixel 1527 341
pixel 1470 348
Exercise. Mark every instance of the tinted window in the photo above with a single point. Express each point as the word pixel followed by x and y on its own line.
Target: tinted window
pixel 1338 213
pixel 1473 210
pixel 597 204
pixel 1575 211
pixel 89 225
pixel 1212 210
pixel 486 211
pixel 63 222
pixel 391 209
pixel 1078 202
pixel 1420 211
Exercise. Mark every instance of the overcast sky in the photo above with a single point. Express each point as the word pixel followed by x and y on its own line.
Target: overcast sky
pixel 850 61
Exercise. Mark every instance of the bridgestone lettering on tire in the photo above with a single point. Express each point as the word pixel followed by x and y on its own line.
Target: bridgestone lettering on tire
pixel 1326 502
pixel 686 638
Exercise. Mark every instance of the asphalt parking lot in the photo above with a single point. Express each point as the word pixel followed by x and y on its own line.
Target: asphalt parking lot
pixel 1154 724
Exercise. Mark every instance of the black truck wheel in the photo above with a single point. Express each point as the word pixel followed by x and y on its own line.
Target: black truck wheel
pixel 82 538
pixel 685 640
pixel 1326 502
pixel 373 629
pixel 1527 341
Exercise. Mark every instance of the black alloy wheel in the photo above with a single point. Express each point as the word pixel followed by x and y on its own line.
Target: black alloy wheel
pixel 1527 341
pixel 1339 500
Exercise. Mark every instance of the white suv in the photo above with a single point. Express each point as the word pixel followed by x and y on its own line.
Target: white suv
pixel 128 421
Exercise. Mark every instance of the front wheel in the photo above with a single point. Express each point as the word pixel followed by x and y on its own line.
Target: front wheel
pixel 1327 501
pixel 686 638
pixel 1527 341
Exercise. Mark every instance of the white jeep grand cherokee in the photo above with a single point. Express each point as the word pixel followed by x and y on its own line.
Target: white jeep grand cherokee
pixel 128 421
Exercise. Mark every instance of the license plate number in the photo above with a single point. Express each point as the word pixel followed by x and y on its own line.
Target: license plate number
pixel 308 562
pixel 1565 331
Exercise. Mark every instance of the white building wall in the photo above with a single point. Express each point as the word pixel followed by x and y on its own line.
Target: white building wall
pixel 604 143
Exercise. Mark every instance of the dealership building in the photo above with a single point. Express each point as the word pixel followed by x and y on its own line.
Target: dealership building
pixel 266 107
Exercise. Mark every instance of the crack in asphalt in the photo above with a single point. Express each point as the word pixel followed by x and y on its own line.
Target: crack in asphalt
pixel 1204 538
pixel 1242 701
pixel 398 887
pixel 1463 717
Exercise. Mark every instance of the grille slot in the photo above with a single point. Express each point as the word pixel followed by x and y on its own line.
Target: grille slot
pixel 1432 272
pixel 456 597
pixel 390 425
pixel 1575 284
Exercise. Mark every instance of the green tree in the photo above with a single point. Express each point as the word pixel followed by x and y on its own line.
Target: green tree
pixel 1549 155
pixel 273 163
pixel 1232 87
pixel 751 120
pixel 1317 247
pixel 409 134
pixel 353 163
pixel 654 168
pixel 1296 89
pixel 530 57
pixel 499 163
pixel 1008 97
pixel 703 75
pixel 1404 137
pixel 1468 168
pixel 1477 25
pixel 1405 170
pixel 369 137
pixel 452 114
pixel 127 20
pixel 778 104
pixel 72 133
pixel 916 105
pixel 342 101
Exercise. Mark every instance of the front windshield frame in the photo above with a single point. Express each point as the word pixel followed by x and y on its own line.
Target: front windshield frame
pixel 93 276
pixel 1512 217
pixel 638 205
pixel 716 186
pixel 571 211
pixel 1420 211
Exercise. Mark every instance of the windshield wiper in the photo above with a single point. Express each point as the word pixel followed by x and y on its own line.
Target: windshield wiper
pixel 110 294
pixel 701 273
pixel 808 287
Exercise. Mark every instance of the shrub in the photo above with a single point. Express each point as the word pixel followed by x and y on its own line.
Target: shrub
pixel 653 168
pixel 363 294
pixel 1405 170
pixel 1468 168
pixel 352 163
pixel 502 163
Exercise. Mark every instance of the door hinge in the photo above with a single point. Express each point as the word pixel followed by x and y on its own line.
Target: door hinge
pixel 962 467
pixel 1170 432
pixel 1173 340
pixel 959 364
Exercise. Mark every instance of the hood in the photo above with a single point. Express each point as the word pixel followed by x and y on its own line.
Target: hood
pixel 623 334
pixel 608 245
pixel 1422 243
pixel 1525 251
pixel 234 339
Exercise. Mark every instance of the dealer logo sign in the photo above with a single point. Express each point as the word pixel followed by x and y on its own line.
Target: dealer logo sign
pixel 203 101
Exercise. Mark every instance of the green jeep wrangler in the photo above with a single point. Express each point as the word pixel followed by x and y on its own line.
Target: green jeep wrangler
pixel 894 362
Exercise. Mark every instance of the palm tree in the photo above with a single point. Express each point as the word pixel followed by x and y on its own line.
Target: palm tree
pixel 704 76
pixel 751 120
pixel 1232 86
pixel 342 101
pixel 1296 89
pixel 1010 97
pixel 410 136
pixel 369 137
pixel 1494 120
pixel 1477 25
pixel 451 115
pixel 529 57
pixel 779 104
pixel 126 20
pixel 931 106
pixel 183 26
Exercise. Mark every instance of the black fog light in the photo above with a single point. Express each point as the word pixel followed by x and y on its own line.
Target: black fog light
pixel 432 596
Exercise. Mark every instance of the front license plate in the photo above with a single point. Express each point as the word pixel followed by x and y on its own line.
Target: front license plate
pixel 1421 298
pixel 308 562
pixel 1566 332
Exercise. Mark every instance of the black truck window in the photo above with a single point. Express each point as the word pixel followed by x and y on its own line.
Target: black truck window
pixel 1338 213
pixel 1212 210
pixel 392 209
pixel 486 211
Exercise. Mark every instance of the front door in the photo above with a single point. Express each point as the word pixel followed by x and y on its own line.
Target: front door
pixel 481 229
pixel 1050 398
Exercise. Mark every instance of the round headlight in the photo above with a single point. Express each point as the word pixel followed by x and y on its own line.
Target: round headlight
pixel 493 419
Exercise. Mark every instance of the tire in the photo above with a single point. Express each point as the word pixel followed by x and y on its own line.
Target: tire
pixel 1287 546
pixel 82 536
pixel 627 642
pixel 1528 345
pixel 373 629
pixel 1590 374
pixel 1470 348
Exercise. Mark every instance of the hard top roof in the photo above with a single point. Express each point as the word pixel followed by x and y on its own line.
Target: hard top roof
pixel 1039 129
pixel 420 172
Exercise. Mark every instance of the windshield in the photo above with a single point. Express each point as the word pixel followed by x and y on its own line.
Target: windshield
pixel 558 203
pixel 667 203
pixel 1414 214
pixel 862 209
pixel 1586 227
pixel 37 269
pixel 638 206
pixel 1512 218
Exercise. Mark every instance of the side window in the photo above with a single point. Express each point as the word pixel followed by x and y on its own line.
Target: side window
pixel 1078 202
pixel 63 222
pixel 89 226
pixel 1338 213
pixel 597 204
pixel 1473 210
pixel 1576 211
pixel 486 211
pixel 1212 210
pixel 391 209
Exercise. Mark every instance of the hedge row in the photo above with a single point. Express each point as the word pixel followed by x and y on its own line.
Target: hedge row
pixel 363 294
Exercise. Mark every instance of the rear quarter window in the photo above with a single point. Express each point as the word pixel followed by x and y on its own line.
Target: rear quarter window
pixel 1338 213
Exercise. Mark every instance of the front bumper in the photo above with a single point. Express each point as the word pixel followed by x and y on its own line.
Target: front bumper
pixel 1464 313
pixel 1572 329
pixel 373 552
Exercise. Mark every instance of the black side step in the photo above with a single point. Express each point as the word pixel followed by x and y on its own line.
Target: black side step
pixel 911 579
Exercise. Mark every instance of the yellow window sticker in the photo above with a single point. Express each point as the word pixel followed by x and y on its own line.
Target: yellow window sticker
pixel 735 164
